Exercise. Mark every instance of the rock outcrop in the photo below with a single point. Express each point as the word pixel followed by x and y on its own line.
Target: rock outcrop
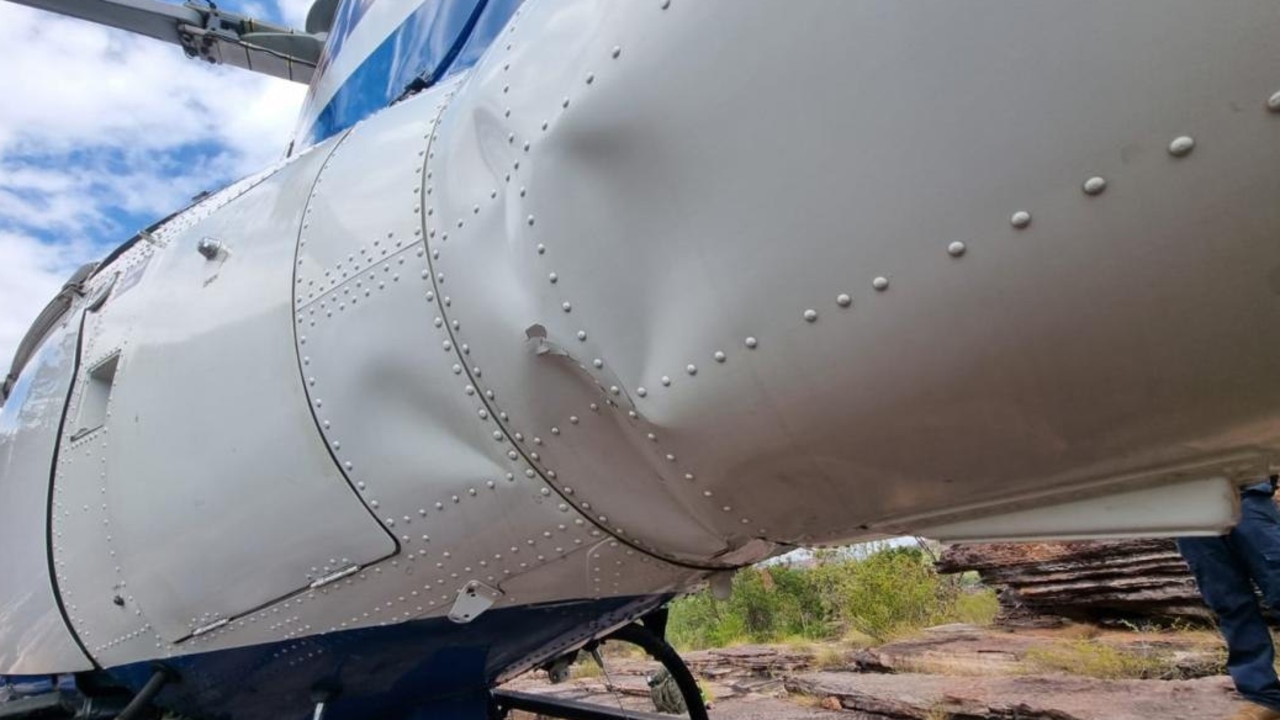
pixel 1097 582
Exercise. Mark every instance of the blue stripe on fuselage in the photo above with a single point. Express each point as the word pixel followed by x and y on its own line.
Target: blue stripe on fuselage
pixel 440 38
pixel 384 672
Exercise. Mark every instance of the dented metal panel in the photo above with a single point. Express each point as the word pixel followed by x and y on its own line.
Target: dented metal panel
pixel 802 299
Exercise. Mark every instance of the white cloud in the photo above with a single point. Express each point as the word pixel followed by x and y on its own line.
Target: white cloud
pixel 100 125
pixel 294 12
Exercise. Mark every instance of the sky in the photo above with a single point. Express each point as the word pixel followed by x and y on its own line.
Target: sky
pixel 103 132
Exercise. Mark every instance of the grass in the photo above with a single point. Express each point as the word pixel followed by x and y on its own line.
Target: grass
pixel 1091 658
pixel 586 667
pixel 863 598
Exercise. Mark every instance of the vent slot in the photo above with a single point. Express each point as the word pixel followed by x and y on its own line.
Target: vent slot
pixel 92 414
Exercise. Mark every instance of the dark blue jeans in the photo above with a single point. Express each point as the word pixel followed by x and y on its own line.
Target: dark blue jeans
pixel 1226 568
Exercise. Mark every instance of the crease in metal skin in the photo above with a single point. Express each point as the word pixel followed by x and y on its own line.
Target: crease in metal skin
pixel 53 473
pixel 297 351
pixel 494 412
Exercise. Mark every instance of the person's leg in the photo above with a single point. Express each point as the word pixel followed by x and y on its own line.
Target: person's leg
pixel 1258 539
pixel 1222 577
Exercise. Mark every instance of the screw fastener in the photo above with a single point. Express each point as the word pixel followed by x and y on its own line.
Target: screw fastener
pixel 1182 146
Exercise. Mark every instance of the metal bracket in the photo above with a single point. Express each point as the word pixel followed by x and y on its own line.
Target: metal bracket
pixel 473 599
pixel 211 248
pixel 601 375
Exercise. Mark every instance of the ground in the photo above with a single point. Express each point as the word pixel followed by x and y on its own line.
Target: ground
pixel 957 672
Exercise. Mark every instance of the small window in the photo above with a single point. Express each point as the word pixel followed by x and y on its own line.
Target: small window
pixel 93 400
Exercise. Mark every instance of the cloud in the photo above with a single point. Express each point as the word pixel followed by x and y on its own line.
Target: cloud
pixel 294 12
pixel 102 132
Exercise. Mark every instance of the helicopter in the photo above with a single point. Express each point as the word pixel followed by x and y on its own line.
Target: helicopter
pixel 554 311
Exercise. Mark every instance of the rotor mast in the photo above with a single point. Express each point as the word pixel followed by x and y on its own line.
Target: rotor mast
pixel 204 31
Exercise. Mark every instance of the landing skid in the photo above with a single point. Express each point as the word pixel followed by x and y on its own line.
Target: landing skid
pixel 646 635
pixel 544 706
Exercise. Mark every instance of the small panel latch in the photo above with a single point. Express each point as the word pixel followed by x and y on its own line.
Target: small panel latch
pixel 473 599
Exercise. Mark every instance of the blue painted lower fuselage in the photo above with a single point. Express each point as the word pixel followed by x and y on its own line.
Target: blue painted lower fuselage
pixel 423 668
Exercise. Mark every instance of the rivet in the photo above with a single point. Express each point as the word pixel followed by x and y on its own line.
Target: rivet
pixel 613 389
pixel 880 283
pixel 956 249
pixel 566 306
pixel 530 220
pixel 1095 185
pixel 843 300
pixel 811 315
pixel 688 476
pixel 565 103
pixel 573 419
pixel 555 431
pixel 594 407
pixel 1182 146
pixel 542 249
pixel 597 363
pixel 554 278
pixel 582 334
pixel 484 414
pixel 618 51
pixel 1020 219
pixel 641 391
pixel 1273 102
pixel 666 4
pixel 719 356
pixel 691 369
pixel 751 343
pixel 666 381
pixel 590 78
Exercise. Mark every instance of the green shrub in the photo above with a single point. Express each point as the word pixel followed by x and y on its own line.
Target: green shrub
pixel 872 591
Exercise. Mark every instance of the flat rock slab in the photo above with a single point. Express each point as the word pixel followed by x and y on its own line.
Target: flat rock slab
pixel 1052 697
